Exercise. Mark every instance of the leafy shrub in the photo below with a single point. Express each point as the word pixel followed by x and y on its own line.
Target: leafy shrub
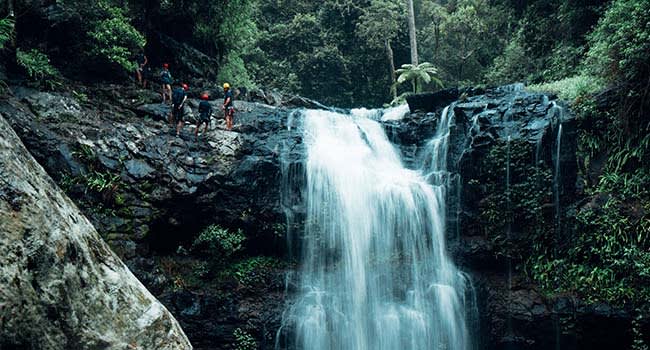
pixel 234 71
pixel 114 38
pixel 218 242
pixel 6 30
pixel 563 61
pixel 620 43
pixel 255 272
pixel 38 67
pixel 570 88
pixel 243 340
pixel 513 64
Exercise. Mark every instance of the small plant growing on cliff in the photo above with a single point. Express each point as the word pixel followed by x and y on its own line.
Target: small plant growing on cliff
pixel 38 67
pixel 219 242
pixel 255 272
pixel 6 31
pixel 243 340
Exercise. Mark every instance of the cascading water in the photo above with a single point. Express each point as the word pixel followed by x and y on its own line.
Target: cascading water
pixel 374 273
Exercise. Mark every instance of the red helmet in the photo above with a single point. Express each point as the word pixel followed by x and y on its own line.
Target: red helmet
pixel 165 65
pixel 205 96
pixel 185 87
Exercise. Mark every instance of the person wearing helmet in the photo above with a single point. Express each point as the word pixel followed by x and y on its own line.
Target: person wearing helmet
pixel 179 96
pixel 166 79
pixel 228 105
pixel 205 112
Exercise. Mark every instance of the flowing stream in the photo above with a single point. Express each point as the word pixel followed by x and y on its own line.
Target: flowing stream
pixel 374 271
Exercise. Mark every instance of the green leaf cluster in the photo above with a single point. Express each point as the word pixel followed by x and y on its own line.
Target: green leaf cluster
pixel 255 272
pixel 244 340
pixel 219 243
pixel 38 67
pixel 114 38
pixel 418 75
pixel 6 30
pixel 619 46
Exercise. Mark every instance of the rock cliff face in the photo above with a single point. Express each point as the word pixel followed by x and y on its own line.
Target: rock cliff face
pixel 132 177
pixel 61 287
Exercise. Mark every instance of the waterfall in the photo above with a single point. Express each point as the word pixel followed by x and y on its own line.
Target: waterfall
pixel 374 271
pixel 557 179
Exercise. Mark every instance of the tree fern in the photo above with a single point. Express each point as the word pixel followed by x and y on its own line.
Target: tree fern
pixel 418 75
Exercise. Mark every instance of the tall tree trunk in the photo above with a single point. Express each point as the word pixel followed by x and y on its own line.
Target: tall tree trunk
pixel 412 38
pixel 393 79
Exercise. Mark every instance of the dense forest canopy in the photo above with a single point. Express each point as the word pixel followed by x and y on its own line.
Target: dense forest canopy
pixel 342 52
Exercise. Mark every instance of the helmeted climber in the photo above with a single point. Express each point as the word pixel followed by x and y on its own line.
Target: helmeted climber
pixel 166 79
pixel 205 112
pixel 228 105
pixel 179 96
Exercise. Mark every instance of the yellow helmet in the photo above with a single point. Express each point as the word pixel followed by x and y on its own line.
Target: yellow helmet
pixel 226 86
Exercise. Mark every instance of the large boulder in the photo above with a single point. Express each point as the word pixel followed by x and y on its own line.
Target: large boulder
pixel 61 287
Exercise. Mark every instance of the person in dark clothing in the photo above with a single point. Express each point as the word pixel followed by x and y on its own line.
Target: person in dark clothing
pixel 179 96
pixel 228 105
pixel 205 112
pixel 166 79
pixel 139 71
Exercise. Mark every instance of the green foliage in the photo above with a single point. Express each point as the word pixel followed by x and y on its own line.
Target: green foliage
pixel 380 22
pixel 607 258
pixel 101 182
pixel 6 30
pixel 419 76
pixel 38 67
pixel 244 340
pixel 114 38
pixel 572 88
pixel 219 243
pixel 255 272
pixel 517 206
pixel 234 71
pixel 620 44
pixel 546 42
pixel 512 65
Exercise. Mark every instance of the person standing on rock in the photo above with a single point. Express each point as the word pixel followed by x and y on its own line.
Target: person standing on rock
pixel 139 71
pixel 166 78
pixel 179 96
pixel 228 105
pixel 205 112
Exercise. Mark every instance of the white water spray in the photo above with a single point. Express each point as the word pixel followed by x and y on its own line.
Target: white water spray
pixel 375 274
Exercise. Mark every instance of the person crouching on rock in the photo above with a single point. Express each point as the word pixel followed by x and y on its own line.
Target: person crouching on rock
pixel 166 79
pixel 179 96
pixel 205 112
pixel 228 105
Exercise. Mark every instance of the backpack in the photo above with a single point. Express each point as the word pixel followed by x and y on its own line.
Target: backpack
pixel 166 77
pixel 177 96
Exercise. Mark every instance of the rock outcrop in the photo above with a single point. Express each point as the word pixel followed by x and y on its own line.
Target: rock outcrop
pixel 61 287
pixel 132 176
